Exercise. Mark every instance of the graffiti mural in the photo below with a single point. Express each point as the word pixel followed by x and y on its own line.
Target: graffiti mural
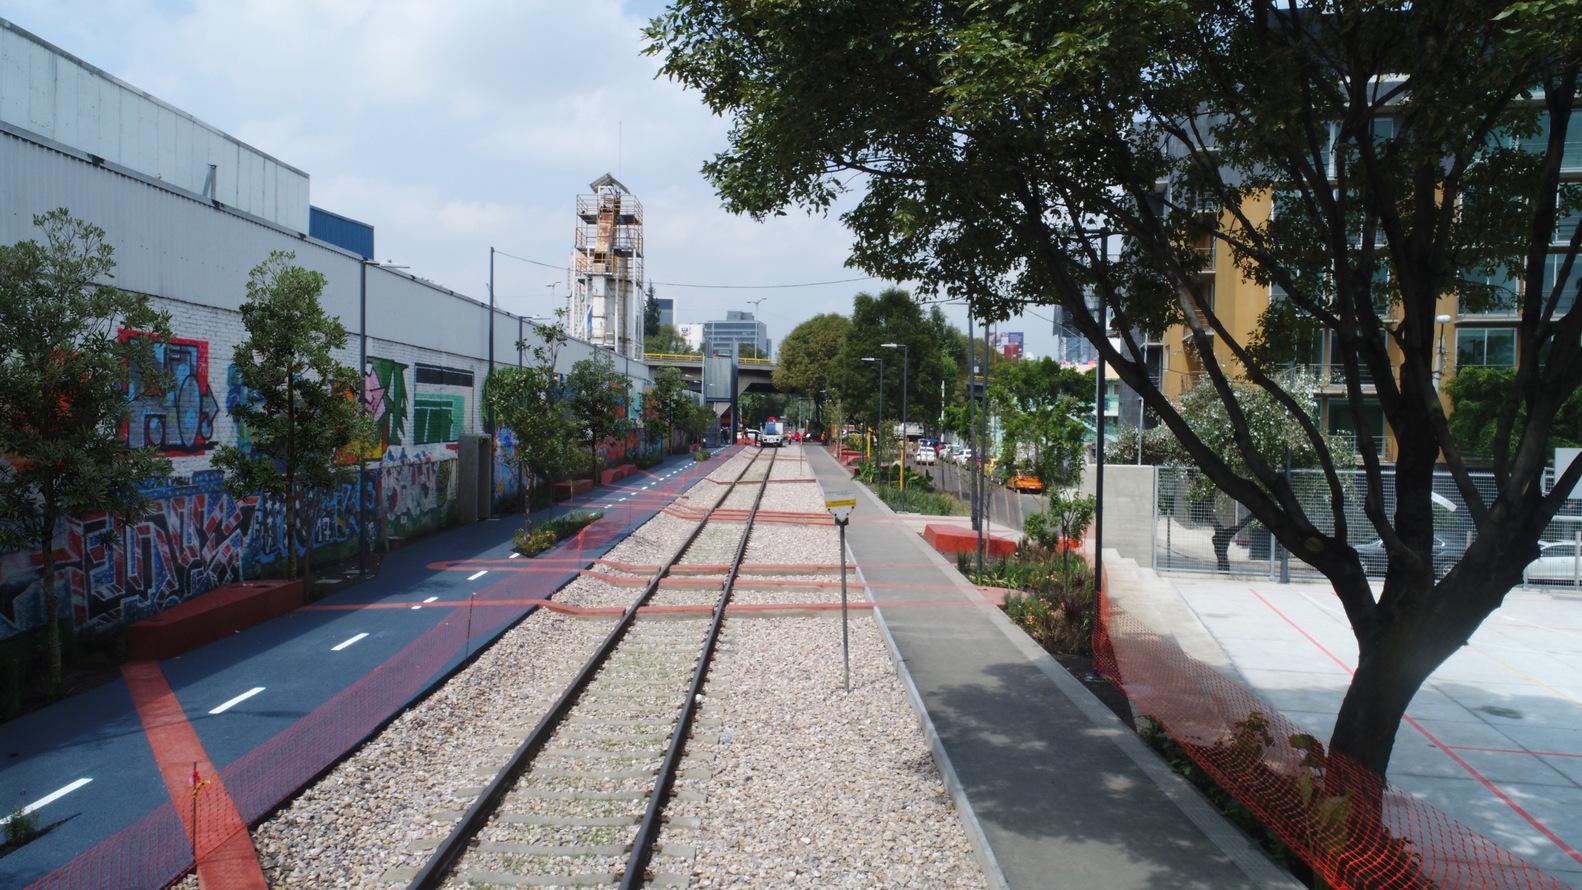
pixel 178 418
pixel 507 488
pixel 384 387
pixel 417 495
pixel 194 538
pixel 235 395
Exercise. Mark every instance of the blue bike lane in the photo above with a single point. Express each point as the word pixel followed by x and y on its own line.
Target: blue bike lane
pixel 268 709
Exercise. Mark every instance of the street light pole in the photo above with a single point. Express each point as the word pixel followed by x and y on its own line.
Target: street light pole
pixel 906 356
pixel 1102 386
pixel 880 435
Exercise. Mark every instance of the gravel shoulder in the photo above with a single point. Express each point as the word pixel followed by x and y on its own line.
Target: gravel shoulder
pixel 792 781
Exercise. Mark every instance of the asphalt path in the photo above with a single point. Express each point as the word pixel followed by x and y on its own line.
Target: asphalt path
pixel 86 763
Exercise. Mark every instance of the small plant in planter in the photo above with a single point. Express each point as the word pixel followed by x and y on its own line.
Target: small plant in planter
pixel 21 826
pixel 548 533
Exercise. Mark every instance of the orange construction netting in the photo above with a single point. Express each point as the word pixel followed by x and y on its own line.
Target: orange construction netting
pixel 1351 827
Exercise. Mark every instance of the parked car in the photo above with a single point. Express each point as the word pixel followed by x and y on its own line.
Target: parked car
pixel 1022 480
pixel 1558 562
pixel 925 457
pixel 1375 559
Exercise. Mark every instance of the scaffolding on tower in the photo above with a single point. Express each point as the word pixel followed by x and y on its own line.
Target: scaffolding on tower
pixel 607 268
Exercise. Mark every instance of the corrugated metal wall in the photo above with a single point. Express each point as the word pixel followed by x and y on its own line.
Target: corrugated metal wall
pixel 53 94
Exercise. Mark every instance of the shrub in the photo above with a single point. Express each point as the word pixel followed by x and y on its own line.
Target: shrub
pixel 548 533
pixel 701 455
pixel 21 827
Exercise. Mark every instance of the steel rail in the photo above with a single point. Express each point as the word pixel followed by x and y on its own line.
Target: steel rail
pixel 450 850
pixel 648 828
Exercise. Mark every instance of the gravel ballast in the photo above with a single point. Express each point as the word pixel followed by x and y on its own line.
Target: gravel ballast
pixel 791 780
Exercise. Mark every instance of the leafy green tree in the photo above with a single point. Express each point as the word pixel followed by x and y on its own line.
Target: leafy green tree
pixel 698 420
pixel 1477 396
pixel 651 315
pixel 596 397
pixel 65 372
pixel 527 401
pixel 807 355
pixel 301 406
pixel 1037 402
pixel 888 317
pixel 1278 437
pixel 668 403
pixel 666 341
pixel 1014 153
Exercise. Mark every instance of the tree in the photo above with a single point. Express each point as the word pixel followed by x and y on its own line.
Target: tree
pixel 1038 402
pixel 596 396
pixel 807 355
pixel 697 421
pixel 666 341
pixel 1477 394
pixel 1276 434
pixel 651 314
pixel 668 402
pixel 527 401
pixel 301 407
pixel 1017 153
pixel 70 348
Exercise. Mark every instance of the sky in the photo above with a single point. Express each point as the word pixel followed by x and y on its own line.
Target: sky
pixel 454 126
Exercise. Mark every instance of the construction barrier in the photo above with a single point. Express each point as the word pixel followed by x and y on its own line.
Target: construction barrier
pixel 1349 825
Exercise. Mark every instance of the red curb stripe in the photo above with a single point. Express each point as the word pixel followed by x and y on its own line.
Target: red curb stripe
pixel 232 862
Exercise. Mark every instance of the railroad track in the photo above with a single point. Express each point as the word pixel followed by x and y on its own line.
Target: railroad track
pixel 581 801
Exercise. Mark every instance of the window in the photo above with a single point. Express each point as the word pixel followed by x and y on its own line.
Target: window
pixel 1383 131
pixel 1488 293
pixel 1486 347
pixel 1339 420
pixel 442 376
pixel 1568 291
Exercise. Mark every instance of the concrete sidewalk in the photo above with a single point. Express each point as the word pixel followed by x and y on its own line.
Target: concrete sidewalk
pixel 1056 790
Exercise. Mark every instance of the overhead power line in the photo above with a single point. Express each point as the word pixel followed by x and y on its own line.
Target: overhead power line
pixel 567 270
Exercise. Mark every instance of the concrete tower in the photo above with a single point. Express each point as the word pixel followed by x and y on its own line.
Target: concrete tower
pixel 607 268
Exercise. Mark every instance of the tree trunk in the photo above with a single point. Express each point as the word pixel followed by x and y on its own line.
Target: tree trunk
pixel 1222 538
pixel 290 531
pixel 51 605
pixel 1397 652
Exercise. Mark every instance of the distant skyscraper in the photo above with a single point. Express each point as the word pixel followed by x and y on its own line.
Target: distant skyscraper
pixel 667 310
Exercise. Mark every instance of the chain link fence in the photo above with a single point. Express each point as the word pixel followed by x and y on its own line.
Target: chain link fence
pixel 1199 529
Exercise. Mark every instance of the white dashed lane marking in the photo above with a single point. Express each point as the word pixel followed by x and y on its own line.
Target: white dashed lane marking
pixel 237 700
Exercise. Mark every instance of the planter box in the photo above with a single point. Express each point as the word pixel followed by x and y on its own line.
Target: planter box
pixel 616 474
pixel 209 617
pixel 955 539
pixel 564 490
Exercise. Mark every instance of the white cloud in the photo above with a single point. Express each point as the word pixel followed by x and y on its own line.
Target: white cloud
pixel 457 126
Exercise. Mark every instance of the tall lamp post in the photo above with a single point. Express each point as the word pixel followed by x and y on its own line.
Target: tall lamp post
pixel 880 437
pixel 1101 385
pixel 906 355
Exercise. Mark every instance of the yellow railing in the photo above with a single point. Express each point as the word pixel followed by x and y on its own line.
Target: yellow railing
pixel 673 357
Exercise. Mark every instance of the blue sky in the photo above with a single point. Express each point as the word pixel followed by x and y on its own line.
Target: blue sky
pixel 457 126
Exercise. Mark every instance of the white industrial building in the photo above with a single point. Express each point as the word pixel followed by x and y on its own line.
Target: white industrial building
pixel 189 211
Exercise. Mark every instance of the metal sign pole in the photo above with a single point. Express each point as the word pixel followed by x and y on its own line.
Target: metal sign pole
pixel 845 626
pixel 840 504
